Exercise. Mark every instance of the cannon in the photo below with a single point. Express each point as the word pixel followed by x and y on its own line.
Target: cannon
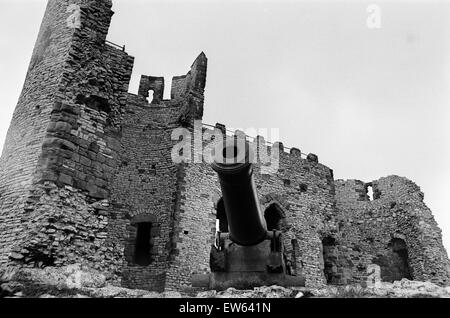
pixel 245 255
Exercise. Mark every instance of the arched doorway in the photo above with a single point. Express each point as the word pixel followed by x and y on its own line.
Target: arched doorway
pixel 394 264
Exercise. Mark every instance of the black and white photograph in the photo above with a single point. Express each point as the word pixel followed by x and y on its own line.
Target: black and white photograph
pixel 235 150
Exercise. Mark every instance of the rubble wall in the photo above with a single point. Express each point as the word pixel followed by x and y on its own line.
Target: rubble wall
pixel 367 227
pixel 78 152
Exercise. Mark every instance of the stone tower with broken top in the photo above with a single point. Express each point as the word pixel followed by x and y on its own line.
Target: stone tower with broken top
pixel 86 176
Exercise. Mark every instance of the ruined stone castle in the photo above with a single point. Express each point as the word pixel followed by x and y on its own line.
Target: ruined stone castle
pixel 86 176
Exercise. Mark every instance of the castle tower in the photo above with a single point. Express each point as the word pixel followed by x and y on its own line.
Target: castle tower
pixel 63 133
pixel 86 165
pixel 30 120
pixel 148 187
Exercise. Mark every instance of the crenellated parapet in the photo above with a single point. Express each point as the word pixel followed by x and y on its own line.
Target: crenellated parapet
pixel 187 92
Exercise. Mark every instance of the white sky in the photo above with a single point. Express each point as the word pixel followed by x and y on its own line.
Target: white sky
pixel 368 102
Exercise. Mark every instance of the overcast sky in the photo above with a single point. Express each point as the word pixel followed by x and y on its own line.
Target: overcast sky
pixel 368 102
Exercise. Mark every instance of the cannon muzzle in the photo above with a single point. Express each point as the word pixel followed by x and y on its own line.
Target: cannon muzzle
pixel 232 163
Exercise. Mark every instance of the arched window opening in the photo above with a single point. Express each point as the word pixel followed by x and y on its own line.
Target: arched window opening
pixel 167 94
pixel 274 216
pixel 370 192
pixel 150 96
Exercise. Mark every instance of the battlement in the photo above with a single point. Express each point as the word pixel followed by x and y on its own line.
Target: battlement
pixel 393 186
pixel 260 140
pixel 192 83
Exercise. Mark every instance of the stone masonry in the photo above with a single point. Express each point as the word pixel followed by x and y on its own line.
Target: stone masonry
pixel 87 177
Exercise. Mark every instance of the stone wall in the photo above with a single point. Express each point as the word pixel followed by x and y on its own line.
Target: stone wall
pixel 144 185
pixel 302 188
pixel 369 228
pixel 147 182
pixel 30 120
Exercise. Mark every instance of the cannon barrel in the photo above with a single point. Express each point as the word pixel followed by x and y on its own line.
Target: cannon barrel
pixel 247 225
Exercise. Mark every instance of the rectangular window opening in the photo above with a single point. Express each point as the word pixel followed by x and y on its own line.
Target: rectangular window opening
pixel 142 255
